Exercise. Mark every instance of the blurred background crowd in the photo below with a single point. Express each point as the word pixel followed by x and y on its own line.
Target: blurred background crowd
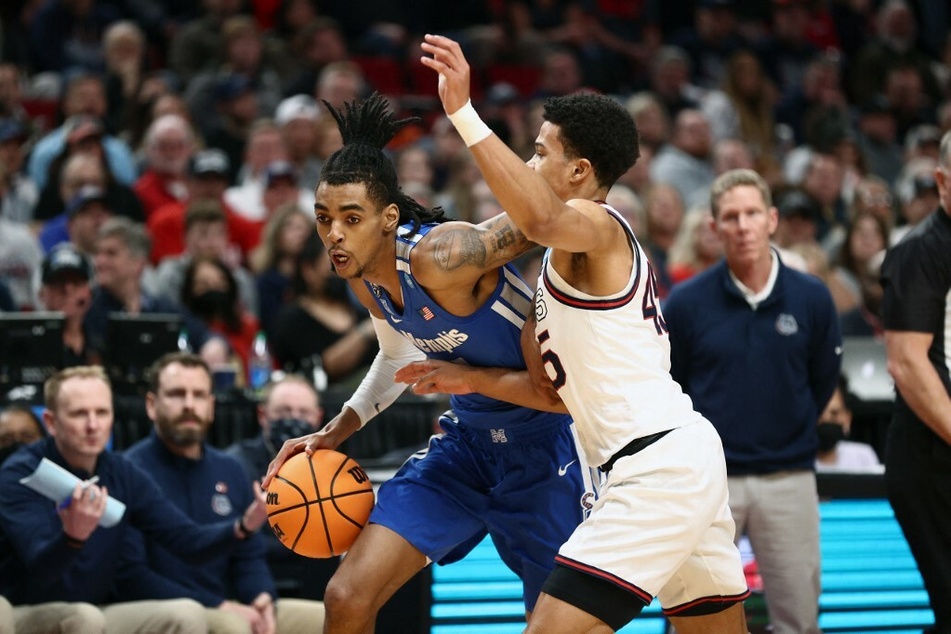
pixel 160 156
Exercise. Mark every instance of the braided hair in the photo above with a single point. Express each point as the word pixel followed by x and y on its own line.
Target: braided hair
pixel 366 128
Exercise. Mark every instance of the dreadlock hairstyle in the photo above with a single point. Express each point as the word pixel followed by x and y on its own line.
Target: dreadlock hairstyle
pixel 366 128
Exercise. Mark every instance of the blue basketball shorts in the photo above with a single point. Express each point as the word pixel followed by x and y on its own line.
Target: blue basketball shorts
pixel 527 487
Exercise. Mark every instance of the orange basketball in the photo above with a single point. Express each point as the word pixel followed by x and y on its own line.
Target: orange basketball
pixel 318 504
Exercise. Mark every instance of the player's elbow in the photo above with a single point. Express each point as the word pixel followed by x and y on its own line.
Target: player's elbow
pixel 540 229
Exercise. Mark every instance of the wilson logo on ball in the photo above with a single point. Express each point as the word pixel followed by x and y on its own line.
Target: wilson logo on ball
pixel 358 474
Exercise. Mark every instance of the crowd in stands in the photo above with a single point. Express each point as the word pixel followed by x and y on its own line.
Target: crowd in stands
pixel 161 159
pixel 175 145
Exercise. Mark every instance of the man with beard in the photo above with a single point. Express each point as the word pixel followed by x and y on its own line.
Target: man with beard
pixel 235 587
pixel 58 567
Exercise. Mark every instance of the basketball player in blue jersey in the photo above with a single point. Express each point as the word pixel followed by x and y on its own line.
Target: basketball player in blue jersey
pixel 443 290
pixel 661 526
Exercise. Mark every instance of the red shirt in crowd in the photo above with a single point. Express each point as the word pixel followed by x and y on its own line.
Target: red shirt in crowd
pixel 157 190
pixel 167 227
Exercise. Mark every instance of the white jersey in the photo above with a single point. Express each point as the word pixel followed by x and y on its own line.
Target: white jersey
pixel 609 357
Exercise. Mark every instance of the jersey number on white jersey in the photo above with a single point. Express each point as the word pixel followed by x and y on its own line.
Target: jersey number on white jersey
pixel 651 303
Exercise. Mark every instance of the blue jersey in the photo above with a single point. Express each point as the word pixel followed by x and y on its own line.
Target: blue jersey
pixel 499 469
pixel 489 337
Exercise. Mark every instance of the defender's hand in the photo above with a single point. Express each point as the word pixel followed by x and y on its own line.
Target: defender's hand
pixel 532 353
pixel 435 377
pixel 447 60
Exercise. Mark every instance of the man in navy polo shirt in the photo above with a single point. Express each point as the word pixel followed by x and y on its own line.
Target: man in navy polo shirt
pixel 756 345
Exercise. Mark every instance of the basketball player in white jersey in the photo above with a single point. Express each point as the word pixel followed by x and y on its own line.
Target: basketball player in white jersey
pixel 661 526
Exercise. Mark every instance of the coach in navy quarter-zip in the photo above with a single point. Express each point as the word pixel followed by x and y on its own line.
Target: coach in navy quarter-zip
pixel 756 345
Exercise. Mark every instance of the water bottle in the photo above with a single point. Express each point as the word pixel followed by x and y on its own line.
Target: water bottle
pixel 259 364
pixel 319 375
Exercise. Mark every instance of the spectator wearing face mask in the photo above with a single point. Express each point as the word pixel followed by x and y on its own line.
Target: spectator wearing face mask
pixel 206 235
pixel 836 453
pixel 210 293
pixel 289 408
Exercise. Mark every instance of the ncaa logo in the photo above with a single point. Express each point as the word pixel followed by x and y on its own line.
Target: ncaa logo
pixel 786 325
pixel 541 309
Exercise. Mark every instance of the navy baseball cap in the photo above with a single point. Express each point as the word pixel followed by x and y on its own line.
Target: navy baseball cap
pixel 279 169
pixel 797 203
pixel 229 87
pixel 86 195
pixel 63 258
pixel 211 161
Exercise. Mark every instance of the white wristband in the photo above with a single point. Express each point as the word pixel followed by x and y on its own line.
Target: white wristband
pixel 471 128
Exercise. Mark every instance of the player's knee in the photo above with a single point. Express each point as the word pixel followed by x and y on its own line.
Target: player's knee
pixel 83 618
pixel 343 597
pixel 185 616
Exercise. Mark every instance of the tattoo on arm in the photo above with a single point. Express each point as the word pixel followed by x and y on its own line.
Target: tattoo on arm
pixel 508 241
pixel 459 247
pixel 504 237
pixel 487 246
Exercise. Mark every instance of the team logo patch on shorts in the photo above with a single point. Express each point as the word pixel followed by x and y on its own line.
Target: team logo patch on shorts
pixel 498 435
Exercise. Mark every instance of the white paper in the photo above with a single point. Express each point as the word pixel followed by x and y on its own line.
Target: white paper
pixel 56 483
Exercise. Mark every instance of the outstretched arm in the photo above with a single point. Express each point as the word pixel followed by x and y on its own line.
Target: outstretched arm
pixel 505 384
pixel 539 212
pixel 528 388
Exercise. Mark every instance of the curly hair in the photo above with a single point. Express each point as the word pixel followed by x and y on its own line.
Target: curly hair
pixel 366 127
pixel 597 128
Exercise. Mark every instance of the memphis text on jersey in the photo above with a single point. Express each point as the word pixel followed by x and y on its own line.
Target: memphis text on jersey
pixel 445 342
